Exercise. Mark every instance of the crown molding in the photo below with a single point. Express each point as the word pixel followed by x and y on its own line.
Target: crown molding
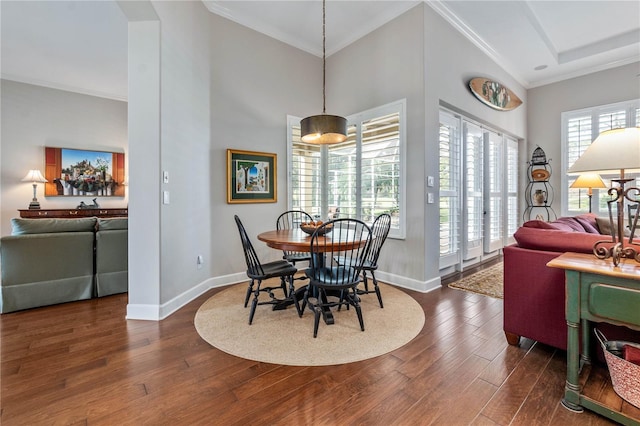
pixel 64 87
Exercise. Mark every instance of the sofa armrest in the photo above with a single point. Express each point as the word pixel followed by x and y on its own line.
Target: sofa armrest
pixel 534 296
pixel 45 269
pixel 112 267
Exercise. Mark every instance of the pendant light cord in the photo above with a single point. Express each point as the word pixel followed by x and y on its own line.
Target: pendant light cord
pixel 324 65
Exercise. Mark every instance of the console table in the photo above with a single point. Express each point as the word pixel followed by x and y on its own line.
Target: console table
pixel 71 213
pixel 596 291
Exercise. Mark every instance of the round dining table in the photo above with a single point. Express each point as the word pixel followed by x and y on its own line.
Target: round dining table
pixel 296 239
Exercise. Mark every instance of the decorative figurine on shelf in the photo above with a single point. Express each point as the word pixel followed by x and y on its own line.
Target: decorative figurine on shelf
pixel 540 197
pixel 84 205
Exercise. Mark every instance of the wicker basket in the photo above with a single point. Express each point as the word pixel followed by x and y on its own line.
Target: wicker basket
pixel 625 375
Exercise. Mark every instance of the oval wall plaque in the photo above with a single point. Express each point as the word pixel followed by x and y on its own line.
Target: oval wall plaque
pixel 494 94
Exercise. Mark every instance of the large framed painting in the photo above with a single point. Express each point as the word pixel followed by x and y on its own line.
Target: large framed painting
pixel 251 177
pixel 78 172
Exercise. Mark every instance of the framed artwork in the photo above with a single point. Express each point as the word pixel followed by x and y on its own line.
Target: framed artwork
pixel 78 172
pixel 251 177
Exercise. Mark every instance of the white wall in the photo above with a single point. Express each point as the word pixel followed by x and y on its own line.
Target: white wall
pixel 546 103
pixel 34 117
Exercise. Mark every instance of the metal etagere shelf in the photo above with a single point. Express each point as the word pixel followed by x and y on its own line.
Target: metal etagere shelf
pixel 539 193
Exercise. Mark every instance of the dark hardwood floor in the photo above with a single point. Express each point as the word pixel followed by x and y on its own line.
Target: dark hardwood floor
pixel 83 363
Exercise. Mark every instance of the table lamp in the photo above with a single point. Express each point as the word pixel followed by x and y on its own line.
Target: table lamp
pixel 613 150
pixel 588 181
pixel 34 176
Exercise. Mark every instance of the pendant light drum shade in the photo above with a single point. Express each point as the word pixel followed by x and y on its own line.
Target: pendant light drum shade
pixel 323 129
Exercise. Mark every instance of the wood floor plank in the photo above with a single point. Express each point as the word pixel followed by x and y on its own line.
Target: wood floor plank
pixel 92 366
pixel 507 401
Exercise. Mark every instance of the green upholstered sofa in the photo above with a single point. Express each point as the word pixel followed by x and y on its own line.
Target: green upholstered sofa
pixel 112 256
pixel 50 261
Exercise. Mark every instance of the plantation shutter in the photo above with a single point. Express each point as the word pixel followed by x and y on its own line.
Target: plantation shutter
pixel 449 201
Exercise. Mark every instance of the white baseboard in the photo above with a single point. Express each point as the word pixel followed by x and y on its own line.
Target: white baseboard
pixel 160 312
pixel 408 283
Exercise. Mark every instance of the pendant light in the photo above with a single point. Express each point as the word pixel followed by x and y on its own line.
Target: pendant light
pixel 323 129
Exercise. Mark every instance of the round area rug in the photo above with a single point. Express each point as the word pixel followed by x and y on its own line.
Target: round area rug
pixel 281 337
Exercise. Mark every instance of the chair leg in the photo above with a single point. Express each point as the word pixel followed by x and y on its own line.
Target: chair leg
pixel 365 281
pixel 305 300
pixel 316 320
pixel 254 303
pixel 292 293
pixel 375 283
pixel 249 291
pixel 283 284
pixel 358 309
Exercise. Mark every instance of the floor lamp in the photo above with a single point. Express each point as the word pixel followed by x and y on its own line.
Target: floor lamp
pixel 588 181
pixel 615 150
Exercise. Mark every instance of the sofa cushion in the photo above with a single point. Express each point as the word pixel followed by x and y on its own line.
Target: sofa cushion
pixel 20 226
pixel 541 224
pixel 556 240
pixel 581 223
pixel 605 226
pixel 588 222
pixel 113 223
pixel 571 223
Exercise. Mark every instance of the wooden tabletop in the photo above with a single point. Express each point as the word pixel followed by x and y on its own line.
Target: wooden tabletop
pixel 298 240
pixel 628 268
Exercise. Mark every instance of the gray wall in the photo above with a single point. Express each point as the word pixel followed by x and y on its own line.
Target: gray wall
pixel 546 103
pixel 255 82
pixel 420 57
pixel 34 117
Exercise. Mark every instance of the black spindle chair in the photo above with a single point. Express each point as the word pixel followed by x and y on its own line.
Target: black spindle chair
pixel 380 231
pixel 290 220
pixel 332 284
pixel 257 271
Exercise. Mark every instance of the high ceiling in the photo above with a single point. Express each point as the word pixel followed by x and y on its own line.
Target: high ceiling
pixel 82 45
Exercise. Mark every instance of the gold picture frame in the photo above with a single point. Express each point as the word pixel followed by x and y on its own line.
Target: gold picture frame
pixel 251 177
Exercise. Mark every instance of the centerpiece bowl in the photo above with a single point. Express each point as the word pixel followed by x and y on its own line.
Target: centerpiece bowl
pixel 310 228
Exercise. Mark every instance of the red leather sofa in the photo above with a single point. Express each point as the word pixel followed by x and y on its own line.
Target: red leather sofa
pixel 534 294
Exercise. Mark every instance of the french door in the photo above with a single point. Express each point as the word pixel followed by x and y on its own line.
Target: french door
pixel 478 190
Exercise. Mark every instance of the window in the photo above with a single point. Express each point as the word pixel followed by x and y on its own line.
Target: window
pixel 478 190
pixel 449 152
pixel 579 129
pixel 359 178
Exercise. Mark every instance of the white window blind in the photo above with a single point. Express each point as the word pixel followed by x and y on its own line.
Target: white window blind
pixel 579 129
pixel 494 189
pixel 305 174
pixel 380 167
pixel 449 201
pixel 512 189
pixel 342 182
pixel 473 189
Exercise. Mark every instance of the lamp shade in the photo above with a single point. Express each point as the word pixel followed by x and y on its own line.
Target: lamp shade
pixel 34 176
pixel 588 180
pixel 612 151
pixel 323 129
